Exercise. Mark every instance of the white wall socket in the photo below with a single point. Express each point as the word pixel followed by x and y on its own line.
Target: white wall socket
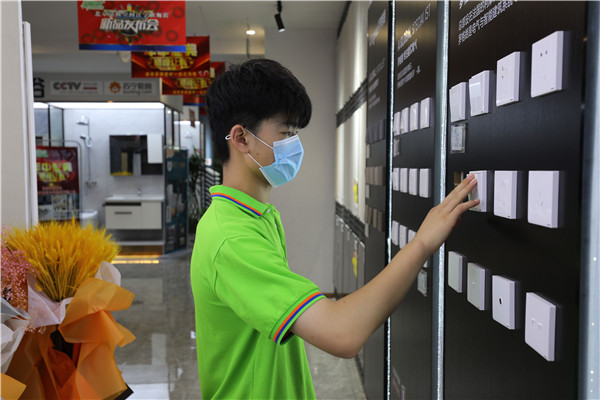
pixel 404 120
pixel 456 271
pixel 396 179
pixel 395 230
pixel 540 325
pixel 479 93
pixel 425 111
pixel 413 181
pixel 542 199
pixel 547 64
pixel 458 101
pixel 404 180
pixel 422 282
pixel 397 118
pixel 402 236
pixel 425 182
pixel 506 187
pixel 507 79
pixel 506 304
pixel 479 286
pixel 483 190
pixel 414 117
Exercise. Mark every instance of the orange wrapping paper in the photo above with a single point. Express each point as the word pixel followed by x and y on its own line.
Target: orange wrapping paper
pixel 90 326
pixel 11 388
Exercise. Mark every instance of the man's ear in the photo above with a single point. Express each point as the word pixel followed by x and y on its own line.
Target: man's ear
pixel 239 139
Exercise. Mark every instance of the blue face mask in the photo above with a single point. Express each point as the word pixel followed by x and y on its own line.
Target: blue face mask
pixel 288 158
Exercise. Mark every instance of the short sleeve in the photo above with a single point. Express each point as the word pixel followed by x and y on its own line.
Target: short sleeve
pixel 254 280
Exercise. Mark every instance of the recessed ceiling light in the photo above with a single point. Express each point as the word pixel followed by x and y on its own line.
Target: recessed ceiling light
pixel 250 32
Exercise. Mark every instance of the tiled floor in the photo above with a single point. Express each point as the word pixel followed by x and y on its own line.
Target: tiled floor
pixel 161 362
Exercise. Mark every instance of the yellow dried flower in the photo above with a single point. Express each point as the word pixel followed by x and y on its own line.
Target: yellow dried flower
pixel 63 255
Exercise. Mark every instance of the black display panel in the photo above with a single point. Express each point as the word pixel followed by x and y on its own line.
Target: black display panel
pixel 376 190
pixel 413 148
pixel 484 359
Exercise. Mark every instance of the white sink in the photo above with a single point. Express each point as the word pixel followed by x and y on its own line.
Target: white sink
pixel 132 197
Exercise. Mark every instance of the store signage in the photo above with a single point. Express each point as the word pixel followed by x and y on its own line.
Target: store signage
pixel 131 25
pixel 194 62
pixel 76 87
pixel 136 87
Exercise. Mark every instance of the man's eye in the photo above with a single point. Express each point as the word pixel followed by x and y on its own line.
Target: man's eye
pixel 290 133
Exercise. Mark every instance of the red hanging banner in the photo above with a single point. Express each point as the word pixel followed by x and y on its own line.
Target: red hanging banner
pixel 131 25
pixel 216 69
pixel 194 62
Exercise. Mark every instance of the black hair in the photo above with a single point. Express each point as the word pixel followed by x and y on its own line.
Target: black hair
pixel 250 93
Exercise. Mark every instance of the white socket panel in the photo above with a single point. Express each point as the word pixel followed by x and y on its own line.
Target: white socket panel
pixel 547 64
pixel 402 236
pixel 479 286
pixel 479 93
pixel 396 179
pixel 396 128
pixel 425 182
pixel 482 190
pixel 404 180
pixel 505 194
pixel 395 230
pixel 458 101
pixel 540 325
pixel 422 282
pixel 505 302
pixel 411 234
pixel 507 79
pixel 425 110
pixel 413 181
pixel 404 121
pixel 542 199
pixel 414 117
pixel 456 271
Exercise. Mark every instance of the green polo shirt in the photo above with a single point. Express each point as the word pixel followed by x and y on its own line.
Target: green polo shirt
pixel 246 298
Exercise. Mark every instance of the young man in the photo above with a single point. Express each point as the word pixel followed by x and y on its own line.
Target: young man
pixel 251 310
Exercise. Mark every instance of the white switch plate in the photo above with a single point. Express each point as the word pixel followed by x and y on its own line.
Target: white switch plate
pixel 424 182
pixel 506 186
pixel 396 179
pixel 458 136
pixel 403 236
pixel 506 302
pixel 413 181
pixel 507 79
pixel 425 110
pixel 479 286
pixel 397 118
pixel 404 180
pixel 479 93
pixel 414 117
pixel 540 325
pixel 422 282
pixel 395 226
pixel 542 199
pixel 547 64
pixel 404 120
pixel 456 271
pixel 458 96
pixel 411 234
pixel 483 190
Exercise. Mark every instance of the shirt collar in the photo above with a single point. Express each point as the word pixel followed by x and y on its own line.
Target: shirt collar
pixel 239 198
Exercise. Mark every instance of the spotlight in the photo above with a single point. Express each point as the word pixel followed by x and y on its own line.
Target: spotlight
pixel 278 18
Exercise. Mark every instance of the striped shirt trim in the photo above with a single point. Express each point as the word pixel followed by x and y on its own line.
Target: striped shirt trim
pixel 301 307
pixel 246 206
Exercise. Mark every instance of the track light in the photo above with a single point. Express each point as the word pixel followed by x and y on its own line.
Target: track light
pixel 278 18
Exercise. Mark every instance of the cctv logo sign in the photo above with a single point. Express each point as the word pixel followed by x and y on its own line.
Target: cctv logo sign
pixel 73 87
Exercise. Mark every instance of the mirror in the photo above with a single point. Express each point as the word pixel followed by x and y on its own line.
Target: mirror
pixel 129 156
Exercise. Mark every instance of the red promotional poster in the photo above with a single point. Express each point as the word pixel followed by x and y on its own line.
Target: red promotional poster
pixel 131 25
pixel 57 182
pixel 216 69
pixel 194 62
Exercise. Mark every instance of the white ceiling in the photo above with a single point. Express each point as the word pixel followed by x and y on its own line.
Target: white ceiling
pixel 55 38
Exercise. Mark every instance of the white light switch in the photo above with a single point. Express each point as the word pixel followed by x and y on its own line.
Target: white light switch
pixel 507 79
pixel 479 291
pixel 505 193
pixel 395 226
pixel 479 93
pixel 397 118
pixel 540 325
pixel 542 199
pixel 424 117
pixel 413 181
pixel 414 117
pixel 547 64
pixel 422 282
pixel 411 234
pixel 456 271
pixel 458 96
pixel 404 120
pixel 483 190
pixel 424 182
pixel 404 180
pixel 505 302
pixel 403 236
pixel 396 179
